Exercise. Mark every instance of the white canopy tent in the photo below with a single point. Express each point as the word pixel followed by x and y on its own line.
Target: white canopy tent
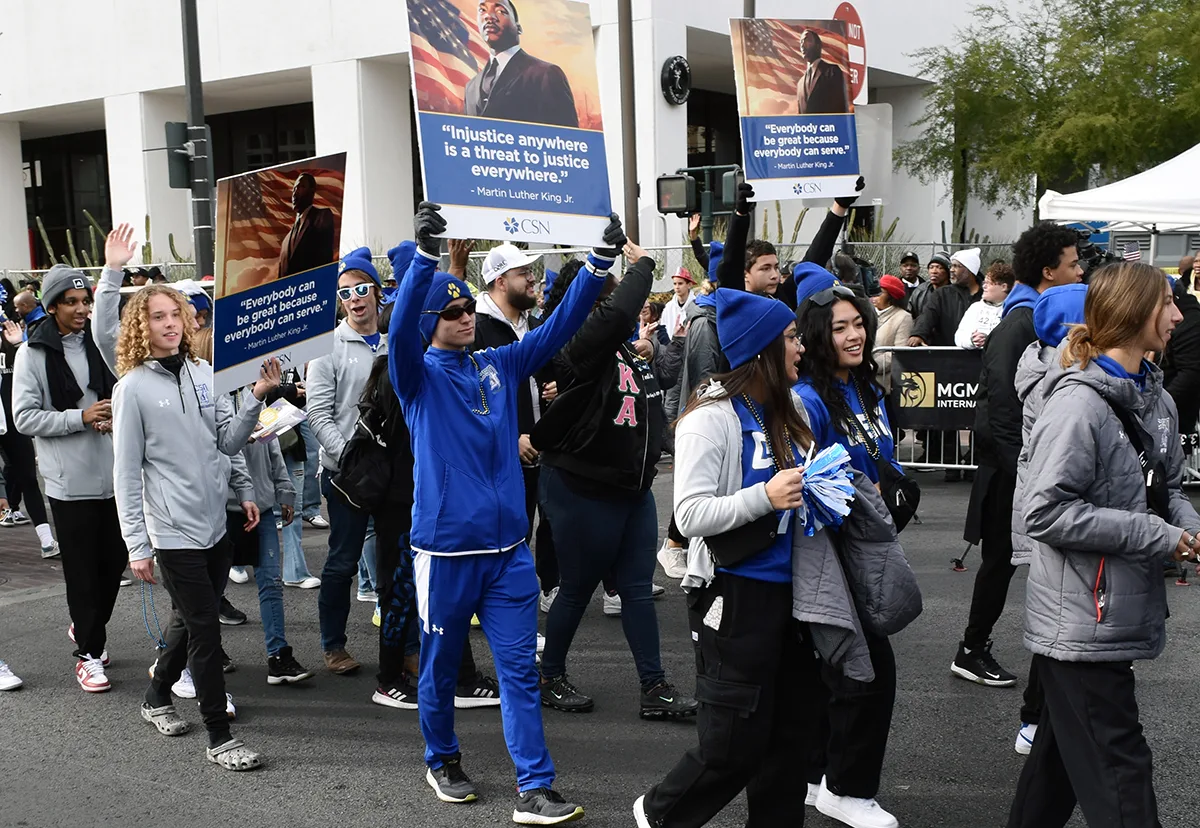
pixel 1164 199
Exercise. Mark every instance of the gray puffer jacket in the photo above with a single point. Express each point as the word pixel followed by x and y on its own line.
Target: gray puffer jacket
pixel 1095 590
pixel 1031 369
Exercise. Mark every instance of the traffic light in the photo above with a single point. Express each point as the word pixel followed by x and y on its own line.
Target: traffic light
pixel 677 195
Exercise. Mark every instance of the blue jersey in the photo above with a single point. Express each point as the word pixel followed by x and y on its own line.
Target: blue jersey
pixel 775 562
pixel 461 410
pixel 874 423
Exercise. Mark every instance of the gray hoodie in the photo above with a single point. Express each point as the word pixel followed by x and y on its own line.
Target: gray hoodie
pixel 75 460
pixel 1030 370
pixel 269 476
pixel 168 438
pixel 702 357
pixel 1095 590
pixel 709 499
pixel 335 384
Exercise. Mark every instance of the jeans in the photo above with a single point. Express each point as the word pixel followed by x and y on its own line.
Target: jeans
pixel 295 567
pixel 347 534
pixel 93 558
pixel 310 506
pixel 614 539
pixel 270 583
pixel 195 580
pixel 366 562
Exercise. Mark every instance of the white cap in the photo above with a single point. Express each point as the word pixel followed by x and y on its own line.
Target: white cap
pixel 969 258
pixel 503 258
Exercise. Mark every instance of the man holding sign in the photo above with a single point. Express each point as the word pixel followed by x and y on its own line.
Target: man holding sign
pixel 514 85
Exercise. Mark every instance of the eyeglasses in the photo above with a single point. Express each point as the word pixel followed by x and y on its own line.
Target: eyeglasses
pixel 456 312
pixel 361 289
pixel 827 295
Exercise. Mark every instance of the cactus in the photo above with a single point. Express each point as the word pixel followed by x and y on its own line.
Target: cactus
pixel 95 257
pixel 92 221
pixel 46 240
pixel 174 252
pixel 796 227
pixel 74 256
pixel 147 251
pixel 88 261
pixel 779 221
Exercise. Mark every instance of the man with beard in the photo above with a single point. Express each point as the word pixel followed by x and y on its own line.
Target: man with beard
pixel 311 241
pixel 504 316
pixel 514 85
pixel 822 90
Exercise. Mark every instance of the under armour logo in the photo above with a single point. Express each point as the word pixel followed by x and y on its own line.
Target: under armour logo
pixel 164 403
pixel 437 629
pixel 353 360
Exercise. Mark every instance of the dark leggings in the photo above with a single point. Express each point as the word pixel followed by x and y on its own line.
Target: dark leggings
pixel 20 470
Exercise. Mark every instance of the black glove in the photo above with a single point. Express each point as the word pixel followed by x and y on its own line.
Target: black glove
pixel 848 201
pixel 744 201
pixel 426 224
pixel 614 236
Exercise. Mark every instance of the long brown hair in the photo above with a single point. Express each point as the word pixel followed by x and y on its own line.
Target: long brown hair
pixel 1121 296
pixel 767 373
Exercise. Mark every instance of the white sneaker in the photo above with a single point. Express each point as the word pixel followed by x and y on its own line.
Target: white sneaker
pixel 238 574
pixel 230 710
pixel 51 551
pixel 8 679
pixel 126 581
pixel 612 604
pixel 1025 738
pixel 546 599
pixel 317 522
pixel 367 597
pixel 657 590
pixel 185 688
pixel 810 798
pixel 672 560
pixel 89 672
pixel 639 812
pixel 311 582
pixel 541 643
pixel 849 810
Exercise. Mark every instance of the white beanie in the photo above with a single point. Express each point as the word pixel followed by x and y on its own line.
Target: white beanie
pixel 968 258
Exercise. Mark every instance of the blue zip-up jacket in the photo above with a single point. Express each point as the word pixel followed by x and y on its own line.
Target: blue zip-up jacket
pixel 467 475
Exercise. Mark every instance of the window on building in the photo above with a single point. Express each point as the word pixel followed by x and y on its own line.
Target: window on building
pixel 68 174
pixel 256 138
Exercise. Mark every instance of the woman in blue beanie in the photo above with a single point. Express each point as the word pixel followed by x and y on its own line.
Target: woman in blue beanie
pixel 740 445
pixel 845 405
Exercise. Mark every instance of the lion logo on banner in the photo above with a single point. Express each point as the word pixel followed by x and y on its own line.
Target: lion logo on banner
pixel 917 390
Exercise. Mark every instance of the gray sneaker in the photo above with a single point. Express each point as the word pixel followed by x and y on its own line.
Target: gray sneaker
pixel 450 783
pixel 50 551
pixel 543 806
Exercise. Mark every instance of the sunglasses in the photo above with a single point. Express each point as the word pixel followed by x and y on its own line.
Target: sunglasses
pixel 361 289
pixel 456 312
pixel 826 296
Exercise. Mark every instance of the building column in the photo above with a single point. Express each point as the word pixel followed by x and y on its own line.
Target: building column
pixel 608 69
pixel 361 107
pixel 14 224
pixel 661 127
pixel 137 179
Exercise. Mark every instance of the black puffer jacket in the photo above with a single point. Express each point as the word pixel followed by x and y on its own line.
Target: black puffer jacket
pixel 605 428
pixel 1181 363
pixel 942 312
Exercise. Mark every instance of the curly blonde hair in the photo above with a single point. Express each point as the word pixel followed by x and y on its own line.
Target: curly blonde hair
pixel 133 343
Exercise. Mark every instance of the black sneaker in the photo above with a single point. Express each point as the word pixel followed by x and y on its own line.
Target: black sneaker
pixel 227 665
pixel 979 666
pixel 484 692
pixel 402 695
pixel 662 701
pixel 562 695
pixel 229 614
pixel 284 669
pixel 542 806
pixel 450 783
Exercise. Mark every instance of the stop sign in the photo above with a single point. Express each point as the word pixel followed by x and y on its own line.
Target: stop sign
pixel 856 43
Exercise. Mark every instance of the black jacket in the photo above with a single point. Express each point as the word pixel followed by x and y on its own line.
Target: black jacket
pixel 997 407
pixel 605 429
pixel 491 332
pixel 942 312
pixel 529 89
pixel 731 272
pixel 1181 363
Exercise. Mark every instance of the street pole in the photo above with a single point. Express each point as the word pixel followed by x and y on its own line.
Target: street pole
pixel 202 207
pixel 628 118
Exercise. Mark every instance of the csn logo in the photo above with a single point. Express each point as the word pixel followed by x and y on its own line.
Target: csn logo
pixel 806 188
pixel 530 227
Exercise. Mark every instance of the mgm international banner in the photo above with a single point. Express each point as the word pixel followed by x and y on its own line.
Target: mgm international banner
pixel 934 388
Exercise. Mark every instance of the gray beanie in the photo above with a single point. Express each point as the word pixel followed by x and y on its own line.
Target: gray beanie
pixel 59 280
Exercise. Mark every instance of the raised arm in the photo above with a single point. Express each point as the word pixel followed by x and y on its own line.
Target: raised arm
pixel 119 248
pixel 521 359
pixel 406 352
pixel 731 272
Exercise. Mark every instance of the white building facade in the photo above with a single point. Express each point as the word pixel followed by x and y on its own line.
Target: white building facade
pixel 85 90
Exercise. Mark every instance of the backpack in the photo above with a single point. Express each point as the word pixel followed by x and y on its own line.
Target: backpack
pixel 364 474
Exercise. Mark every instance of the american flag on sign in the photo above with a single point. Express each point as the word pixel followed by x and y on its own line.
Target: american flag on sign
pixel 447 52
pixel 260 210
pixel 773 56
pixel 1132 252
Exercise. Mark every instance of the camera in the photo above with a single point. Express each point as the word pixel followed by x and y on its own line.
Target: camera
pixel 1092 255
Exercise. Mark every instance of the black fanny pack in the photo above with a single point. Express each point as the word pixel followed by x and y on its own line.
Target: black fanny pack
pixel 1154 474
pixel 733 547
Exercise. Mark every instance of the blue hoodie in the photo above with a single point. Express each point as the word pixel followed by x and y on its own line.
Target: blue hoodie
pixel 467 477
pixel 1021 296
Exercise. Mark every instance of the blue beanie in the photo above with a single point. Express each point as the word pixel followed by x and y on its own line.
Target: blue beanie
pixel 360 259
pixel 444 290
pixel 1056 310
pixel 716 252
pixel 401 257
pixel 199 301
pixel 811 279
pixel 747 323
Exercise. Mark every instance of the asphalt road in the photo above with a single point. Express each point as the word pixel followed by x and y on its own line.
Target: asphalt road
pixel 72 759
